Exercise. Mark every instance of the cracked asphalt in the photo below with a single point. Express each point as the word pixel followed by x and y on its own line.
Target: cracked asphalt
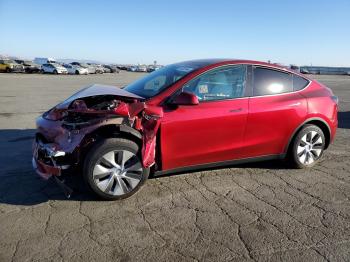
pixel 255 212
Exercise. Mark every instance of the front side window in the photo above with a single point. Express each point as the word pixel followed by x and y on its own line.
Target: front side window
pixel 219 84
pixel 270 82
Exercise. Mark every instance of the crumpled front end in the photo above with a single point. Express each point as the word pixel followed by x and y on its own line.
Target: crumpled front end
pixel 64 132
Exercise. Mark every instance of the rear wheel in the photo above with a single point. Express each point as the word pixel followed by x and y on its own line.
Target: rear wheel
pixel 113 169
pixel 307 147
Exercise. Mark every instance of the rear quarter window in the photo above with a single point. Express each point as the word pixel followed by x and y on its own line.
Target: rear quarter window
pixel 270 82
pixel 299 83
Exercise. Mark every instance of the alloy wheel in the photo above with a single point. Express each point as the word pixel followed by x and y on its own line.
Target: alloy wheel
pixel 117 172
pixel 310 147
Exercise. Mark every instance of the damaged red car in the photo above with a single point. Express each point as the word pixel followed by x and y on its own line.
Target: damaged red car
pixel 186 116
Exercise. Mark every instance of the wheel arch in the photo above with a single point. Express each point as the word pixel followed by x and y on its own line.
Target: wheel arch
pixel 109 131
pixel 319 122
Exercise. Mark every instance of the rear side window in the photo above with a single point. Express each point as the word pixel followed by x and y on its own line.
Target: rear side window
pixel 299 82
pixel 271 82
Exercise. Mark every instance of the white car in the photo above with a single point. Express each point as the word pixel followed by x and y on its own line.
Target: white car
pixel 44 60
pixel 141 68
pixel 53 69
pixel 91 69
pixel 77 70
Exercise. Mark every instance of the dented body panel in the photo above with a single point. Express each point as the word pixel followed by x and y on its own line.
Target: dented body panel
pixel 69 127
pixel 188 135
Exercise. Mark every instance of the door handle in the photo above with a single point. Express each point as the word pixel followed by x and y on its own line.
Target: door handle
pixel 236 110
pixel 295 104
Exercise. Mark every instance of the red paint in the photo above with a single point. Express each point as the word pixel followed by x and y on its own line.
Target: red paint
pixel 186 98
pixel 271 122
pixel 205 133
pixel 194 133
pixel 122 109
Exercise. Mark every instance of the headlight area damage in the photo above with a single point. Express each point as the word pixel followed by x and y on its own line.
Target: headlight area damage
pixel 65 131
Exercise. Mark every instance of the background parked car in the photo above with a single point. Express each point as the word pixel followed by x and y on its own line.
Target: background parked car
pixel 91 69
pixel 29 66
pixel 53 69
pixel 8 65
pixel 106 69
pixel 98 68
pixel 122 67
pixel 113 68
pixel 141 68
pixel 44 60
pixel 132 68
pixel 75 69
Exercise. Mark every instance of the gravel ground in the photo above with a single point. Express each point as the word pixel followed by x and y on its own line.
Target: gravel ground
pixel 255 212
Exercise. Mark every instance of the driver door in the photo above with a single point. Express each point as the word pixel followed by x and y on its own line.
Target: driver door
pixel 211 131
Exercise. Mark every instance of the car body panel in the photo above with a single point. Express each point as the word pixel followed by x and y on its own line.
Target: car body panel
pixel 197 135
pixel 51 68
pixel 74 69
pixel 208 132
pixel 271 121
pixel 7 65
pixel 98 90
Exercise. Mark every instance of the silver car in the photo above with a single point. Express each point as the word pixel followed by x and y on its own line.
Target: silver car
pixel 77 70
pixel 53 69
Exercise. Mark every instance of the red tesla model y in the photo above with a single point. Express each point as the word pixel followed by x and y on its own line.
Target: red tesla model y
pixel 185 116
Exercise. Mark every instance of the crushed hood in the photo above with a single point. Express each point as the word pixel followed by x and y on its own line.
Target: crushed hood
pixel 97 90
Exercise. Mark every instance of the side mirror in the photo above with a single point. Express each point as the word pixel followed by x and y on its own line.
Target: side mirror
pixel 185 98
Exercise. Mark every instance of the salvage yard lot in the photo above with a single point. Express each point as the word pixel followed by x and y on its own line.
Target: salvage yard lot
pixel 255 212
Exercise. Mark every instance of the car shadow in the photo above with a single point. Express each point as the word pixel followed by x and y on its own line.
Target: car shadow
pixel 344 119
pixel 19 185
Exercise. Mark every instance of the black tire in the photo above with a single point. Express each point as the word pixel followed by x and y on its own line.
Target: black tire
pixel 55 72
pixel 311 149
pixel 96 153
pixel 8 70
pixel 77 72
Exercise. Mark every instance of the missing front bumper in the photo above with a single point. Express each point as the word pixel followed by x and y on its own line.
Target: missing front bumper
pixel 45 158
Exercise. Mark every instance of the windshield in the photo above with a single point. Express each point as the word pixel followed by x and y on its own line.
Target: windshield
pixel 161 79
pixel 8 61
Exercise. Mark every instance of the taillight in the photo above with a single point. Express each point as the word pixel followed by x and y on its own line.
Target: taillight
pixel 335 99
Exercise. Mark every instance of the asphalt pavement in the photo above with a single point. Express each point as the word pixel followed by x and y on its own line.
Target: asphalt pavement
pixel 256 212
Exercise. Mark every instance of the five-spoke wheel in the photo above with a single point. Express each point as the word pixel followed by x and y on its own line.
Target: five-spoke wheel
pixel 307 146
pixel 113 168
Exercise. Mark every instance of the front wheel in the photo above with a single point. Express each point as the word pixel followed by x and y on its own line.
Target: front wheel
pixel 113 169
pixel 55 72
pixel 307 147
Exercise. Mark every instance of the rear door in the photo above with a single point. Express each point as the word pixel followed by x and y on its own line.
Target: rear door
pixel 276 109
pixel 212 131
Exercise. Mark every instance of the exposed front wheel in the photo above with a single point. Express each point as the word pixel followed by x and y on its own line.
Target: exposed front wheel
pixel 55 72
pixel 113 169
pixel 307 147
